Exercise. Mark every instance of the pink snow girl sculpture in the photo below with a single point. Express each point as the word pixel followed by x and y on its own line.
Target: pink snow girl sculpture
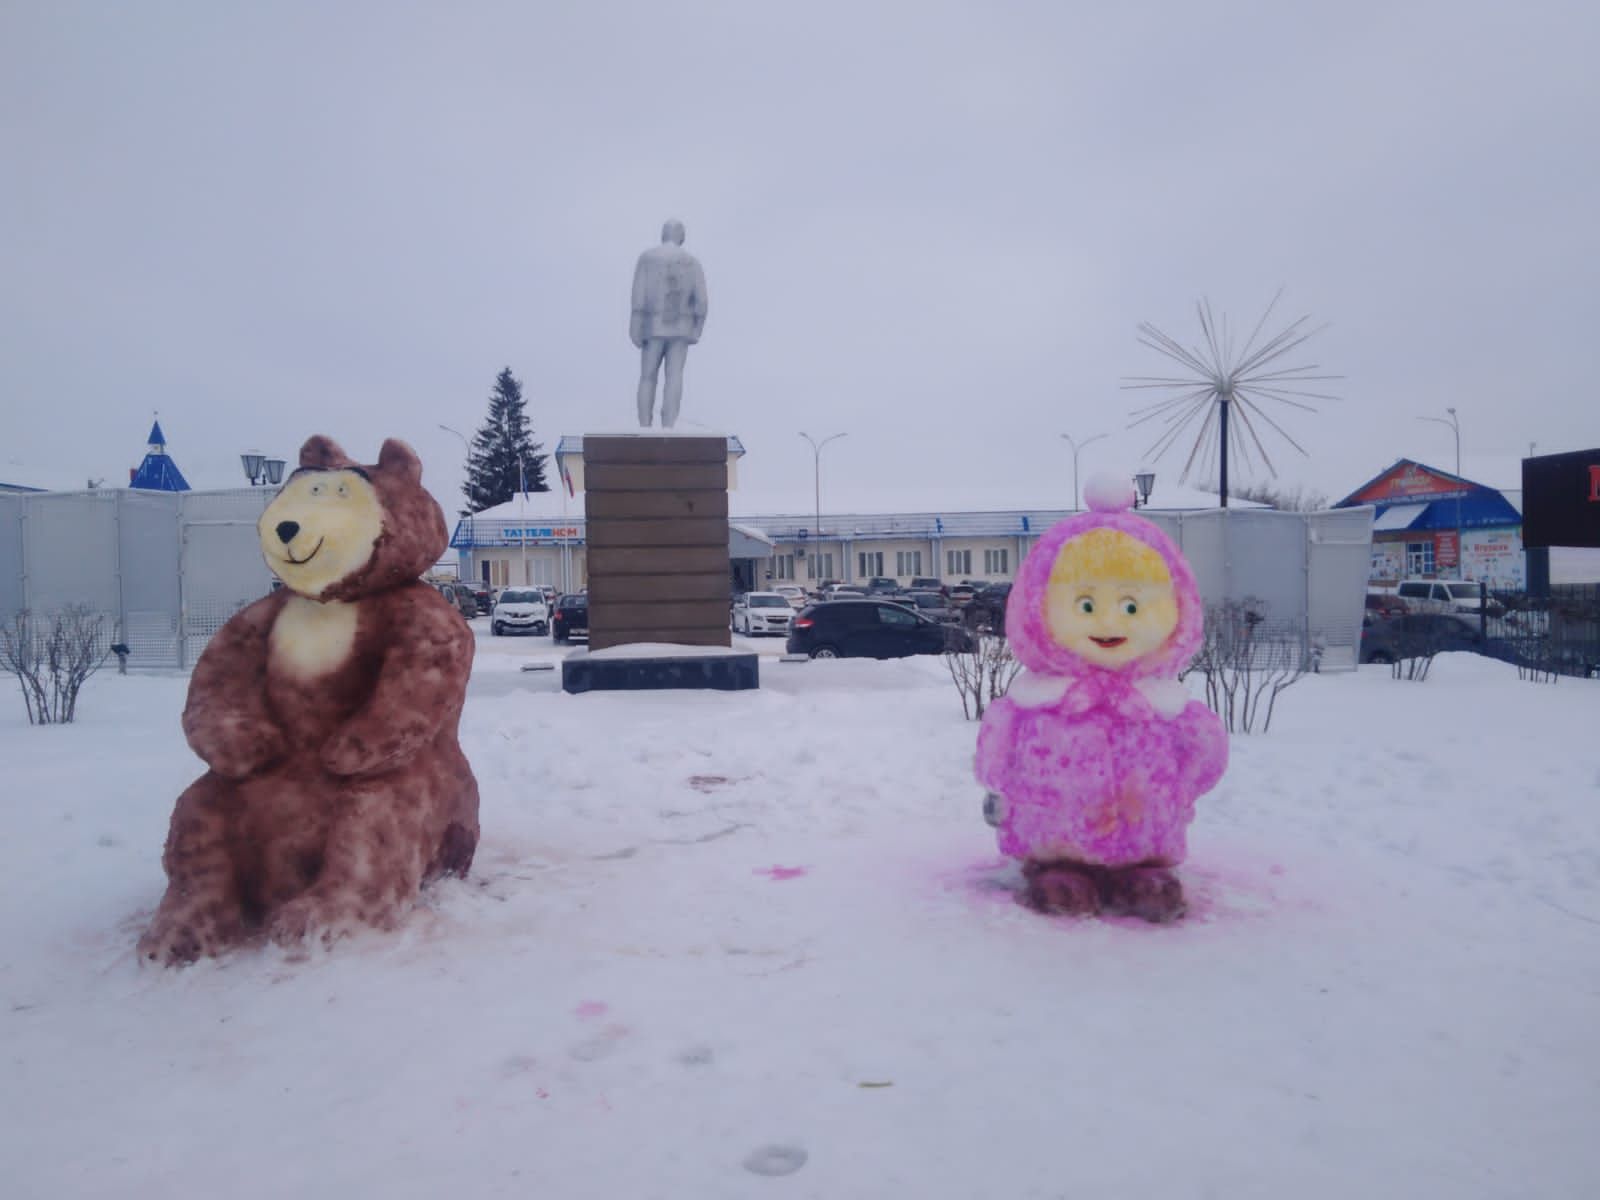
pixel 1095 757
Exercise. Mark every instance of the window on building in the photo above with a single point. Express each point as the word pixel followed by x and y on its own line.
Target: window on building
pixel 819 566
pixel 908 562
pixel 997 562
pixel 958 563
pixel 1419 558
pixel 871 563
pixel 780 566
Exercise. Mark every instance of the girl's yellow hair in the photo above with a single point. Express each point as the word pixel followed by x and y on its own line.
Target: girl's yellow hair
pixel 1111 555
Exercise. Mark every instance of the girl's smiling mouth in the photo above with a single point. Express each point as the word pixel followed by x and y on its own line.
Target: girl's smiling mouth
pixel 1108 643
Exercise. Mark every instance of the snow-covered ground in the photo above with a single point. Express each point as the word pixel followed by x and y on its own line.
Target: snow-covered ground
pixel 714 934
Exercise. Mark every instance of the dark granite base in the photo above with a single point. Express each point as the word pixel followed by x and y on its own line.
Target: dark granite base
pixel 722 672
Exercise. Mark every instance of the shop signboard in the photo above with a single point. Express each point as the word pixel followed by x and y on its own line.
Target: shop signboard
pixel 1561 500
pixel 513 533
pixel 1447 548
pixel 1495 558
pixel 1408 481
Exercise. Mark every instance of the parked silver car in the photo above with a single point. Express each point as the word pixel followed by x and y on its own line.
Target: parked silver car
pixel 762 612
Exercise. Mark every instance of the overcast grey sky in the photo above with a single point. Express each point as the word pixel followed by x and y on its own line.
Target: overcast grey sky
pixel 934 226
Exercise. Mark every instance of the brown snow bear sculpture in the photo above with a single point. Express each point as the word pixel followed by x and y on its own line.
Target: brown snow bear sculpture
pixel 327 713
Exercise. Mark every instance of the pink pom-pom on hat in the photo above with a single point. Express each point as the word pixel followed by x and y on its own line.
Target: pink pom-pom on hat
pixel 1108 493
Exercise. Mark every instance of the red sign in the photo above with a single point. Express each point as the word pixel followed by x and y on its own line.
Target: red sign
pixel 1447 548
pixel 1594 485
pixel 1406 482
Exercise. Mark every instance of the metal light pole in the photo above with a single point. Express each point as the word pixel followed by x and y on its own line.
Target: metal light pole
pixel 467 446
pixel 1076 449
pixel 1454 425
pixel 816 454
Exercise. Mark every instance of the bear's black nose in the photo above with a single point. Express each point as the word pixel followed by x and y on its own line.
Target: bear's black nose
pixel 287 530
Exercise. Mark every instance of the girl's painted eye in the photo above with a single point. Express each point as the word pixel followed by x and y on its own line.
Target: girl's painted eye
pixel 1086 606
pixel 316 489
pixel 1129 607
pixel 344 490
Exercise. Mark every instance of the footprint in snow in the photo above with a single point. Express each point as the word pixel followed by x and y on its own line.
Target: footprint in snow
pixel 776 1159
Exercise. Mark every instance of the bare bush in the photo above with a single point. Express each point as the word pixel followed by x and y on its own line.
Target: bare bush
pixel 982 668
pixel 1247 661
pixel 52 662
pixel 1415 666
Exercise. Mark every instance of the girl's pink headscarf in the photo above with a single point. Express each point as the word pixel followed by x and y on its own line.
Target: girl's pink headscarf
pixel 1030 636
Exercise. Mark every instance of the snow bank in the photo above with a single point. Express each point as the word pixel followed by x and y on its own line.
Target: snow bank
pixel 710 933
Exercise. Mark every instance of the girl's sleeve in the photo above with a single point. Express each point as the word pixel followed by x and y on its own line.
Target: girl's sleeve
pixel 997 745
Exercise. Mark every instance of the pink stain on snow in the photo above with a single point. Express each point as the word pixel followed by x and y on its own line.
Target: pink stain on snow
pixel 778 874
pixel 591 1009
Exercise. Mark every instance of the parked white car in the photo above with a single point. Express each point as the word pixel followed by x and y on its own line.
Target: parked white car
pixel 520 610
pixel 762 612
pixel 1444 595
pixel 794 594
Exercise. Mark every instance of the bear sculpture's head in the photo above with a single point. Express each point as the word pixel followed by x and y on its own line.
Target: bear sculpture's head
pixel 339 530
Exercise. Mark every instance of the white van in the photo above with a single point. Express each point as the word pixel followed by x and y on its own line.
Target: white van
pixel 1442 595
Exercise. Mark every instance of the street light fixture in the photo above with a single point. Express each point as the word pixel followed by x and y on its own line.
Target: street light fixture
pixel 1076 448
pixel 259 469
pixel 1454 425
pixel 816 453
pixel 1144 482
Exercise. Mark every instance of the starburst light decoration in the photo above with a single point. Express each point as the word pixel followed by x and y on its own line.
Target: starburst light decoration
pixel 1222 394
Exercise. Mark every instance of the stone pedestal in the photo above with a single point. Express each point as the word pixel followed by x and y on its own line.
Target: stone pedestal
pixel 656 525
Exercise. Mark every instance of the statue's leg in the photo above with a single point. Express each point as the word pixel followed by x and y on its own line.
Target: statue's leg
pixel 200 913
pixel 649 363
pixel 672 389
pixel 373 864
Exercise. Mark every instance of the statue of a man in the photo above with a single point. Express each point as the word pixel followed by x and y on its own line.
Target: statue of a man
pixel 669 311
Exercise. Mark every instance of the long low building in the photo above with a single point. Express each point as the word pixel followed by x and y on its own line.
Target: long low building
pixel 1305 573
pixel 521 542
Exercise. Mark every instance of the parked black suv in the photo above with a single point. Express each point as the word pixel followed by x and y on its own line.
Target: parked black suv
pixel 570 616
pixel 869 629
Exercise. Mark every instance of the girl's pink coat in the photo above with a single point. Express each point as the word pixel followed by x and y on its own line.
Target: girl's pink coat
pixel 1097 774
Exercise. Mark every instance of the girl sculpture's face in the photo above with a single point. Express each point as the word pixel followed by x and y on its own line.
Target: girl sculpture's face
pixel 1110 599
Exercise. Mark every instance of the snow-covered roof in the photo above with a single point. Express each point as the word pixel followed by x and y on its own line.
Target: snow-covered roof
pixel 1399 516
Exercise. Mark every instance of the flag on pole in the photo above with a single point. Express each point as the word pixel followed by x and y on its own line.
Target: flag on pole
pixel 566 478
pixel 522 474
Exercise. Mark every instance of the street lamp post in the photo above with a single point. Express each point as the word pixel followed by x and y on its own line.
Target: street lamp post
pixel 259 469
pixel 816 479
pixel 1075 450
pixel 1454 425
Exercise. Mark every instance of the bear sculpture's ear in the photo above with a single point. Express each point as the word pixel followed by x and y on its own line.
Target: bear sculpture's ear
pixel 401 459
pixel 322 453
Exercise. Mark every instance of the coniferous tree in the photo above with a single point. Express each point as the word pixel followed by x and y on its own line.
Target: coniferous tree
pixel 504 459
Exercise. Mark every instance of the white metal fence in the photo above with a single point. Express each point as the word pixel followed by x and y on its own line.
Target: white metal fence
pixel 1308 571
pixel 165 569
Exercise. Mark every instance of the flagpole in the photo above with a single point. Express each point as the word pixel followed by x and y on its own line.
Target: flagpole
pixel 522 509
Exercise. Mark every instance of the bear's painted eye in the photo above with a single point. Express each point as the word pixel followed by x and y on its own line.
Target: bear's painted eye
pixel 1085 605
pixel 344 489
pixel 1129 607
pixel 316 489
